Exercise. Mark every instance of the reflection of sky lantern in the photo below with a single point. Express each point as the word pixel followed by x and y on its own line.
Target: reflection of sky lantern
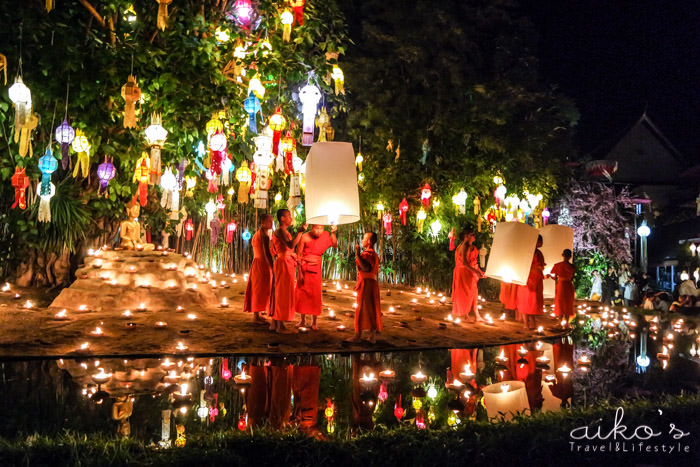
pixel 425 195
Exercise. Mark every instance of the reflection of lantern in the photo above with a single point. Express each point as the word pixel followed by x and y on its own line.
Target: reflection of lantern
pixel 555 239
pixel 47 165
pixel 277 124
pixel 331 185
pixel 131 94
pixel 338 80
pixel 286 18
pixel 506 397
pixel 230 230
pixel 252 106
pixel 21 97
pixel 243 175
pixel 403 209
pixel 45 203
pixel 20 182
pixel 105 172
pixel 460 200
pixel 82 147
pixel 287 146
pixel 309 96
pixel 141 175
pixel 511 252
pixel 65 134
pixel 420 219
pixel 155 137
pixel 425 195
pixel 189 229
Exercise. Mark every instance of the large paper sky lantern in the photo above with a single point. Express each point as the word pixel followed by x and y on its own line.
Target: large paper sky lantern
pixel 511 253
pixel 555 239
pixel 507 397
pixel 332 196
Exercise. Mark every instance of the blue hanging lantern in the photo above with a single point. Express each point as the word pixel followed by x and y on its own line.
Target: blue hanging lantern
pixel 246 236
pixel 105 172
pixel 47 165
pixel 65 134
pixel 252 106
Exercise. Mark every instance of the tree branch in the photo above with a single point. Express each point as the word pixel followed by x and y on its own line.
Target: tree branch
pixel 93 12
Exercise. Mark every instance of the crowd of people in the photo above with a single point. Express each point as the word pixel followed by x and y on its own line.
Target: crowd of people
pixel 285 277
pixel 619 287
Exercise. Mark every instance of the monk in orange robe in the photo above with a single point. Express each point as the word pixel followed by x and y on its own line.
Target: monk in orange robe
pixel 257 292
pixel 284 271
pixel 466 275
pixel 564 272
pixel 531 296
pixel 368 314
pixel 309 284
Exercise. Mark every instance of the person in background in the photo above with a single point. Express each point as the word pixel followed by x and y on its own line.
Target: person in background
pixel 596 287
pixel 617 299
pixel 622 278
pixel 687 292
pixel 631 292
pixel 609 285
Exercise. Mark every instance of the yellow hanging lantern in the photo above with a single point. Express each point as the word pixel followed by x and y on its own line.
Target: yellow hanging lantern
pixel 322 122
pixel 256 87
pixel 338 80
pixel 131 94
pixel 3 66
pixel 163 13
pixel 244 176
pixel 266 47
pixel 287 18
pixel 81 145
pixel 460 201
pixel 23 134
pixel 214 125
pixel 420 219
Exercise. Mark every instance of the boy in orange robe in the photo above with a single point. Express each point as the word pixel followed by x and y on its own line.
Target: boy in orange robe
pixel 309 283
pixel 368 314
pixel 530 296
pixel 257 292
pixel 564 272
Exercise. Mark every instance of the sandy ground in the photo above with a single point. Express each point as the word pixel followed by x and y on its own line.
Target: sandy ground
pixel 36 332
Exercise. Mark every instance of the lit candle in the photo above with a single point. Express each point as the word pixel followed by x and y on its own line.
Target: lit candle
pixel 341 327
pixel 467 374
pixel 97 331
pixel 191 316
pixel 84 345
pixel 505 387
pixel 502 317
pixel 63 314
pixel 448 318
pixel 224 303
pixel 181 347
pixel 142 306
pixel 540 330
pixel 161 324
pixel 83 308
pixel 387 374
pixel 391 309
pixel 127 314
pixel 331 314
pixel 28 304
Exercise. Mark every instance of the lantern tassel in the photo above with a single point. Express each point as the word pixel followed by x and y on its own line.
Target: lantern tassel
pixel 82 165
pixel 66 161
pixel 253 123
pixel 44 214
pixel 49 5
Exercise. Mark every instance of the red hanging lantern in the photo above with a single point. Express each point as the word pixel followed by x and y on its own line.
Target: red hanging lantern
pixel 142 175
pixel 243 422
pixel 383 394
pixel 20 182
pixel 425 195
pixel 298 7
pixel 287 146
pixel 277 124
pixel 225 372
pixel 403 209
pixel 230 229
pixel 398 410
pixel 189 229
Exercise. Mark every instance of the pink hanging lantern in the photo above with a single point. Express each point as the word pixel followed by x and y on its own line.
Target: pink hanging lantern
pixel 230 230
pixel 403 209
pixel 387 219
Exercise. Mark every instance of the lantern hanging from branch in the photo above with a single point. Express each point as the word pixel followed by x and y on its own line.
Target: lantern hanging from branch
pixel 105 172
pixel 45 202
pixel 243 175
pixel 387 219
pixel 287 146
pixel 226 169
pixel 332 196
pixel 420 219
pixel 162 21
pixel 81 145
pixel 210 209
pixel 403 209
pixel 277 124
pixel 23 135
pixel 65 134
pixel 21 97
pixel 322 122
pixel 131 94
pixel 338 80
pixel 380 209
pixel 477 206
pixel 460 201
pixel 309 96
pixel 155 137
pixel 500 194
pixel 435 227
pixel 230 230
pixel 170 198
pixel 217 146
pixel 262 158
pixel 244 10
pixel 141 176
pixel 294 191
pixel 20 182
pixel 189 229
pixel 287 19
pixel 425 195
pixel 214 125
pixel 252 106
pixel 298 7
pixel 256 87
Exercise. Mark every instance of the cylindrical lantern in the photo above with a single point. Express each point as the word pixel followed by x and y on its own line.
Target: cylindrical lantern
pixel 555 239
pixel 287 146
pixel 252 106
pixel 21 97
pixel 309 96
pixel 277 124
pixel 105 172
pixel 506 397
pixel 331 184
pixel 511 252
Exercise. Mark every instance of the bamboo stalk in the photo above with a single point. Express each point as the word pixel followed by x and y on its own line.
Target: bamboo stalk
pixel 93 12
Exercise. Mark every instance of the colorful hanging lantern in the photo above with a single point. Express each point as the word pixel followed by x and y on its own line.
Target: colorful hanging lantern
pixel 425 195
pixel 189 229
pixel 81 145
pixel 214 125
pixel 477 205
pixel 243 175
pixel 155 137
pixel 420 219
pixel 210 209
pixel 252 106
pixel 403 209
pixel 141 176
pixel 338 80
pixel 298 7
pixel 65 134
pixel 243 422
pixel 246 236
pixel 230 230
pixel 545 216
pixel 47 165
pixel 322 122
pixel 131 94
pixel 215 227
pixel 162 21
pixel 380 209
pixel 105 172
pixel 309 96
pixel 217 146
pixel 287 19
pixel 3 67
pixel 398 409
pixel 452 235
pixel 287 146
pixel 226 169
pixel 460 201
pixel 387 219
pixel 170 198
pixel 20 182
pixel 294 191
pixel 21 97
pixel 23 135
pixel 277 124
pixel 45 203
pixel 244 10
pixel 256 87
pixel 435 227
pixel 500 194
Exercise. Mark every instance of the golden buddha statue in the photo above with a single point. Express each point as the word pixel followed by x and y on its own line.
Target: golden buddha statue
pixel 131 229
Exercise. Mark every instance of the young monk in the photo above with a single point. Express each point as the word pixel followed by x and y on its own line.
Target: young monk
pixel 257 292
pixel 563 272
pixel 531 296
pixel 309 283
pixel 466 275
pixel 284 272
pixel 368 314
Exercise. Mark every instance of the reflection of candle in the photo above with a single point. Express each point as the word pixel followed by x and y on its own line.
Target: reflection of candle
pixel 522 351
pixel 368 379
pixel 502 357
pixel 388 373
pixel 391 309
pixel 467 374
pixel 242 378
pixel 418 377
pixel 448 318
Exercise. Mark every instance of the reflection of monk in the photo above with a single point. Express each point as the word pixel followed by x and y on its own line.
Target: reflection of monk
pixel 305 385
pixel 269 395
pixel 131 229
pixel 121 411
pixel 527 372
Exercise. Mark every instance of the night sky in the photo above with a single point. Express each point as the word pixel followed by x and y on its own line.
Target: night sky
pixel 617 57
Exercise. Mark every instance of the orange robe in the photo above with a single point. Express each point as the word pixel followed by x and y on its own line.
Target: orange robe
pixel 530 296
pixel 269 396
pixel 308 294
pixel 368 315
pixel 464 280
pixel 257 292
pixel 285 277
pixel 509 296
pixel 306 381
pixel 564 292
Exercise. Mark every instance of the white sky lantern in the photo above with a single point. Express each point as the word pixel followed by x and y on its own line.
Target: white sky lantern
pixel 507 397
pixel 309 96
pixel 511 252
pixel 331 184
pixel 555 239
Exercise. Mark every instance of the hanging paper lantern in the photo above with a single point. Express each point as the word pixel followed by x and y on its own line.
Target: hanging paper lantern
pixel 82 147
pixel 246 236
pixel 380 209
pixel 387 218
pixel 47 165
pixel 105 172
pixel 545 216
pixel 435 227
pixel 141 176
pixel 162 21
pixel 244 10
pixel 420 218
pixel 262 185
pixel 452 235
pixel 189 229
pixel 403 209
pixel 425 195
pixel 214 125
pixel 226 169
pixel 214 227
pixel 23 135
pixel 277 124
pixel 298 7
pixel 252 106
pixel 398 410
pixel 131 94
pixel 500 194
pixel 338 80
pixel 243 175
pixel 460 201
pixel 322 122
pixel 256 87
pixel 230 230
pixel 217 146
pixel 45 203
pixel 287 19
pixel 358 161
pixel 21 97
pixel 210 209
pixel 294 192
pixel 287 146
pixel 155 137
pixel 20 182
pixel 171 195
pixel 309 96
pixel 65 134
